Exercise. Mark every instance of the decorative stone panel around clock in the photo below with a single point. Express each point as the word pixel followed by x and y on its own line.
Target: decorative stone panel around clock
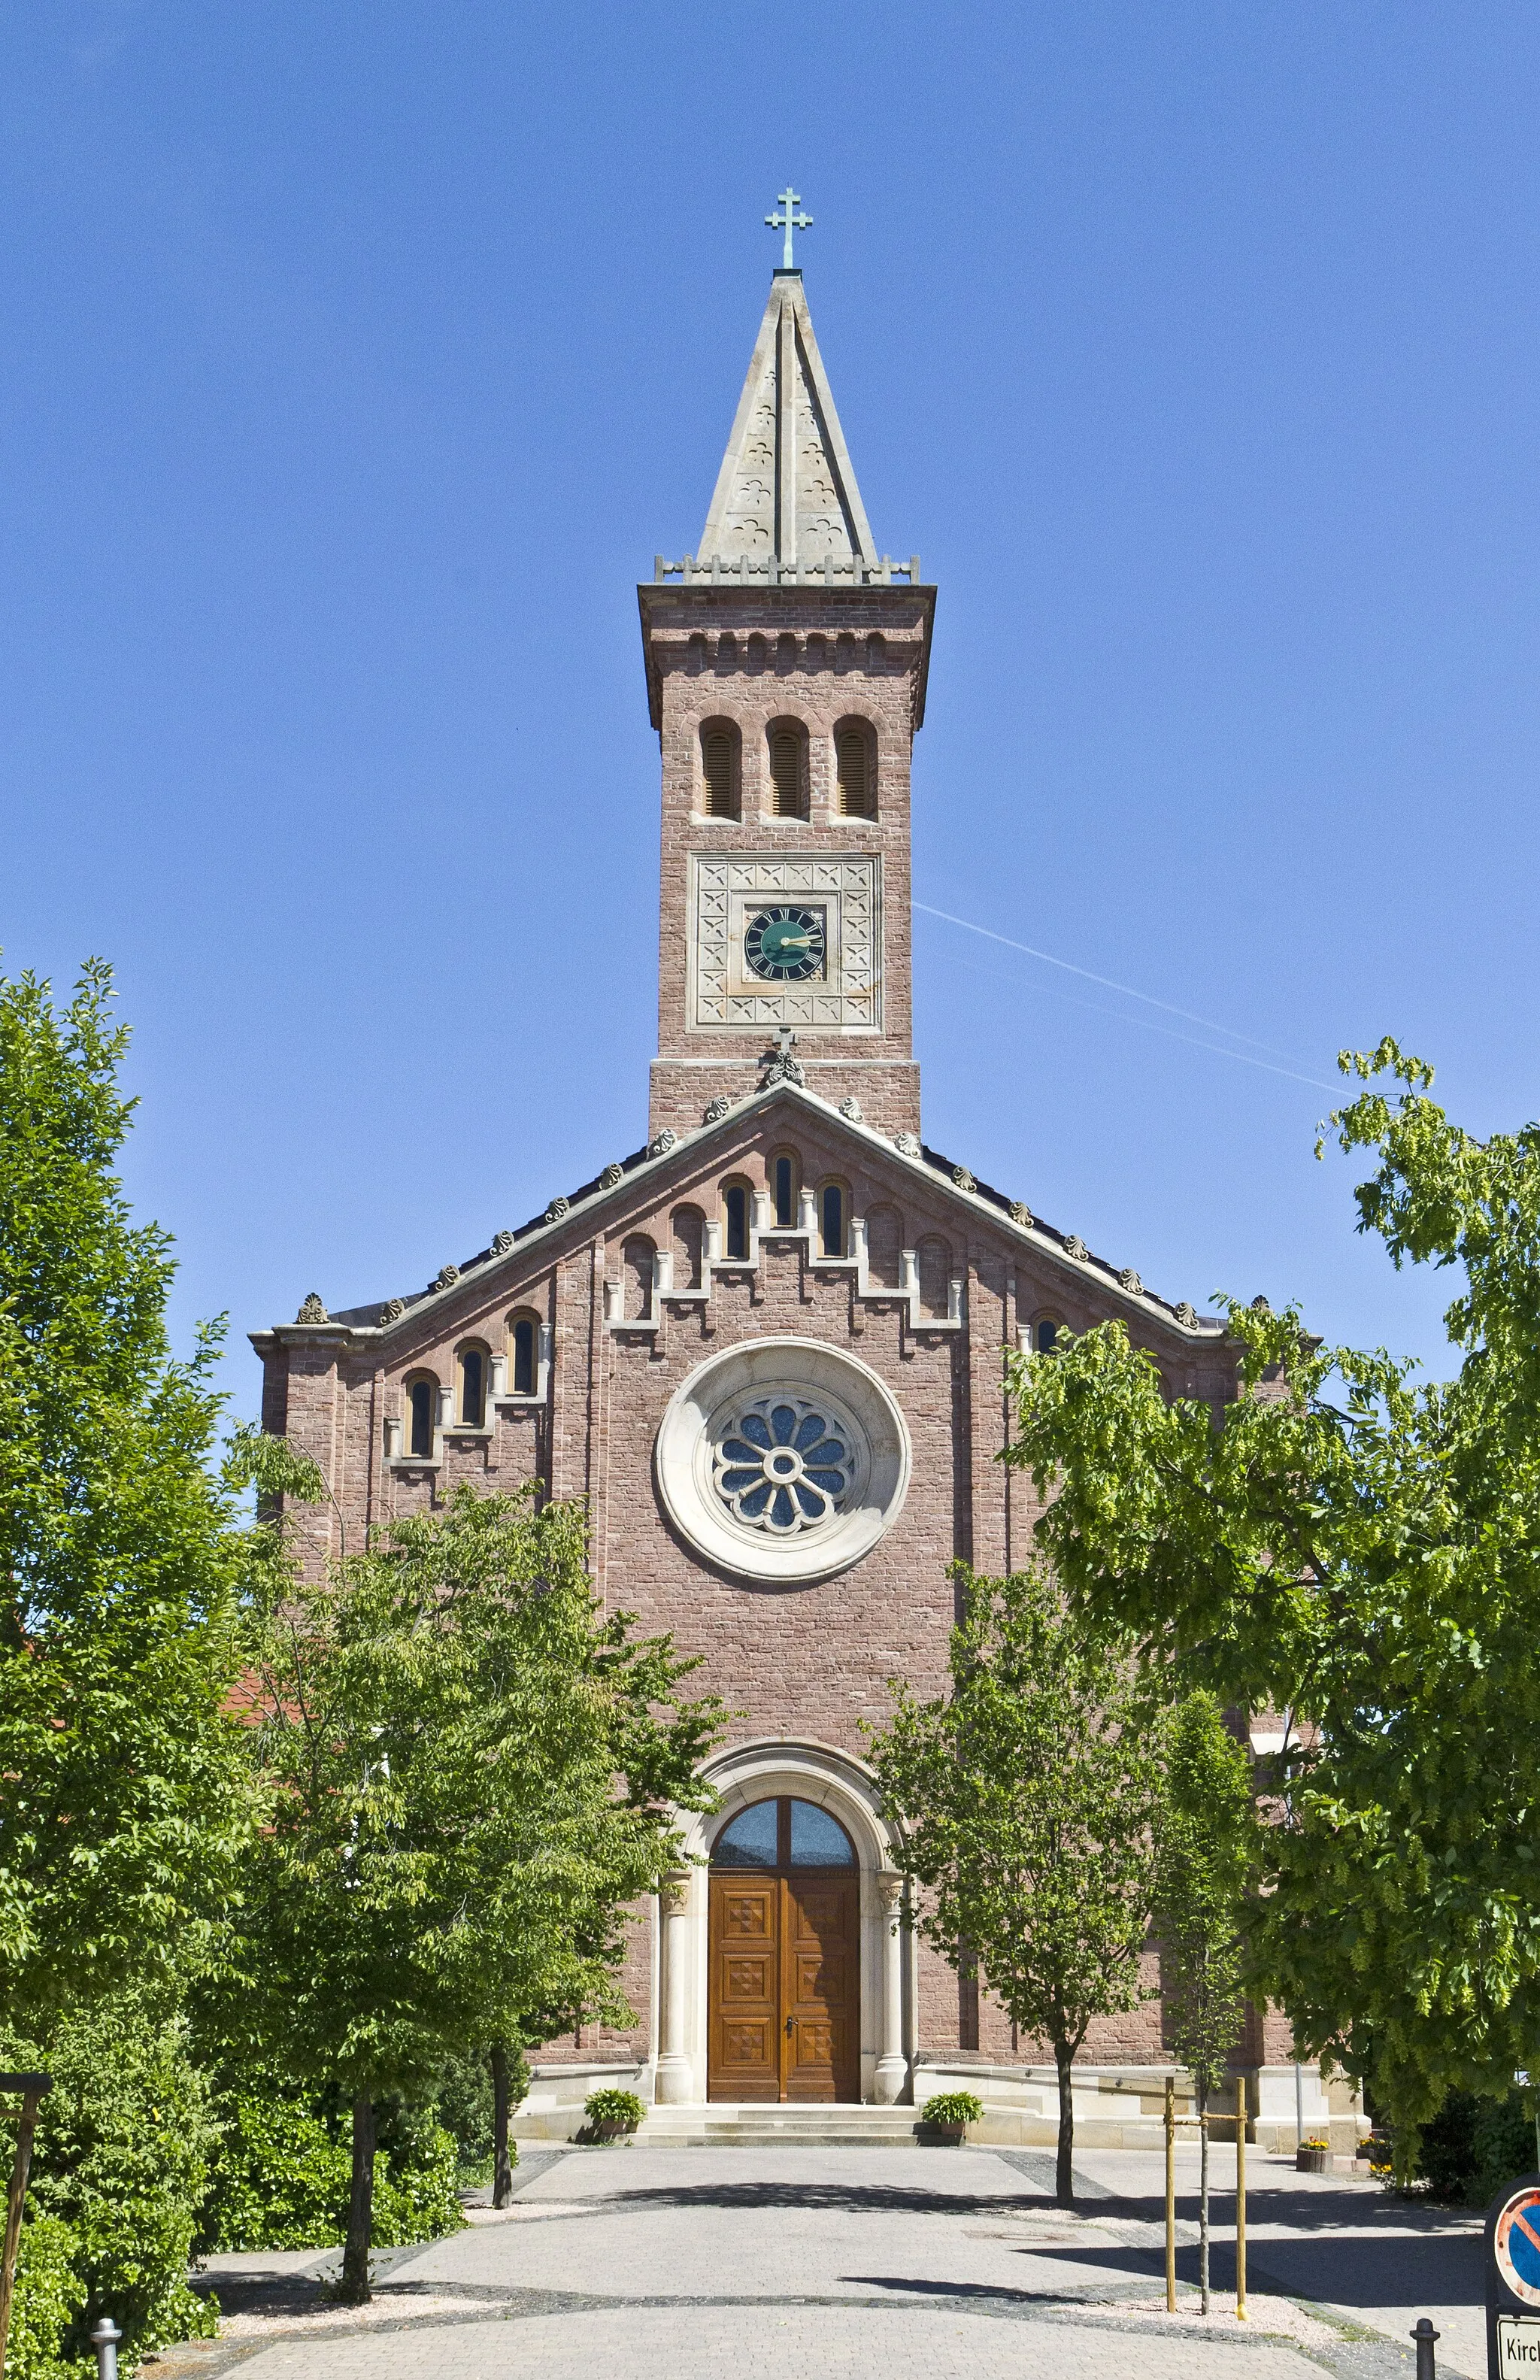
pixel 728 895
pixel 783 1460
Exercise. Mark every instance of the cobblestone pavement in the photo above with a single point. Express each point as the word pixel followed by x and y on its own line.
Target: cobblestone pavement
pixel 1373 2260
pixel 873 2264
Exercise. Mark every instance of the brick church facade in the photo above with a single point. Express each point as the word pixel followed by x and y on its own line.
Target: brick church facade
pixel 766 1347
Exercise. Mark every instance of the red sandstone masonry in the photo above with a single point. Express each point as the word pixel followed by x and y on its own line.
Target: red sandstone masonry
pixel 752 655
pixel 802 1662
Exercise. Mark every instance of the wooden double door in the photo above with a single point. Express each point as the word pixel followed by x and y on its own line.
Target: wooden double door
pixel 785 2013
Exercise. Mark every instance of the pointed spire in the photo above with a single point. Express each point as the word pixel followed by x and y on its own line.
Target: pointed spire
pixel 786 494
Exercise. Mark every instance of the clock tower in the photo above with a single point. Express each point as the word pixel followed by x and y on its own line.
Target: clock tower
pixel 786 666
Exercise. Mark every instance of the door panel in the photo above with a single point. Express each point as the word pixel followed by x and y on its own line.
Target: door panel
pixel 820 1970
pixel 744 2047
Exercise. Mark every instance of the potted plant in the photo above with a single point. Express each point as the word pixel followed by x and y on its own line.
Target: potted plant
pixel 613 2115
pixel 946 2116
pixel 1313 2156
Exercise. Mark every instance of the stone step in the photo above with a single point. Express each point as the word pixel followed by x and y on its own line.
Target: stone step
pixel 727 2125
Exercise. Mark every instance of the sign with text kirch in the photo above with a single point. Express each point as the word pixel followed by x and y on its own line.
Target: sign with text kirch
pixel 1513 2281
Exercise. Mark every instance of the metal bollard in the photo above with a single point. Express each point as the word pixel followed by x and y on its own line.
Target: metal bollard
pixel 1425 2336
pixel 104 2339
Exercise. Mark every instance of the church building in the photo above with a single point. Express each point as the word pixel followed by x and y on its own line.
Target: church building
pixel 766 1347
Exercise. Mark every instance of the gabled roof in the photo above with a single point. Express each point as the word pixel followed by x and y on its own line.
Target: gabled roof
pixel 1121 1286
pixel 786 491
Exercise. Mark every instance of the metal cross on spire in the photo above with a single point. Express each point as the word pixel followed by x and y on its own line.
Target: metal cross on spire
pixel 788 223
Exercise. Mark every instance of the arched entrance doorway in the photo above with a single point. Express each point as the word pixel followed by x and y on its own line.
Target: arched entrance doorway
pixel 784 1956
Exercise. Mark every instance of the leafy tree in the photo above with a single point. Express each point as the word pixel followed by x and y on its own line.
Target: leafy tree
pixel 1356 1549
pixel 1201 1870
pixel 121 1807
pixel 1028 1797
pixel 471 1774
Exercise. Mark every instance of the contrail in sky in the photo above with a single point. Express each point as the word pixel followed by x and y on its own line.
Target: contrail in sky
pixel 1108 984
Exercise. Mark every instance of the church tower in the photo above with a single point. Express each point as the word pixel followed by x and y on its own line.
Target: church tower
pixel 787 667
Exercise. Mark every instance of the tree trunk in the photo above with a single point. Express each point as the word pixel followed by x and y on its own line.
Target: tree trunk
pixel 502 2172
pixel 1063 2188
pixel 354 2286
pixel 1203 2193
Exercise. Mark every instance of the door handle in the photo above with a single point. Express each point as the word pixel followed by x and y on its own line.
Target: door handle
pixel 789 2026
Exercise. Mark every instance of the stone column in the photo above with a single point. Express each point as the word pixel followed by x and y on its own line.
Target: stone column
pixel 675 2081
pixel 892 2065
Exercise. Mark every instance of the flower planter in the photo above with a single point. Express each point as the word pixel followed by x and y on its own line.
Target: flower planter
pixel 1312 2160
pixel 609 2128
pixel 946 2136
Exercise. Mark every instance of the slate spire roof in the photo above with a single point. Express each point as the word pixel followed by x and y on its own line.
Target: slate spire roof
pixel 786 494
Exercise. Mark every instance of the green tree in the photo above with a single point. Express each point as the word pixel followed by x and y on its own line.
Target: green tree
pixel 1356 1549
pixel 471 1773
pixel 1027 1798
pixel 1203 1865
pixel 122 1806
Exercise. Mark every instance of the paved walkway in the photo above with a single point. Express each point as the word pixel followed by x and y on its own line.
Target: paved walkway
pixel 876 2263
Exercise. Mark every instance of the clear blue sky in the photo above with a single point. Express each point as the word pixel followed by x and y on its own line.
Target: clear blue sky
pixel 358 359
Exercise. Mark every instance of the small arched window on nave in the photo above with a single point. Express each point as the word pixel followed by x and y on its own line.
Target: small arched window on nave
pixel 832 1210
pixel 784 1189
pixel 1045 1333
pixel 470 1365
pixel 421 1398
pixel 524 1351
pixel 734 1221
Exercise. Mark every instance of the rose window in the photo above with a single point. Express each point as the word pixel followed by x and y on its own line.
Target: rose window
pixel 782 1464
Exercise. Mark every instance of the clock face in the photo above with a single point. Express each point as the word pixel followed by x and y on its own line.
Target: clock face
pixel 785 945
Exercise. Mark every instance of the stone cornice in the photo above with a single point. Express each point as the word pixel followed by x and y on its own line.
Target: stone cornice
pixel 903 615
pixel 569 1218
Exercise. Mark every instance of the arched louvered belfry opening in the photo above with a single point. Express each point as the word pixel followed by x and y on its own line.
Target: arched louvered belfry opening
pixel 787 743
pixel 721 781
pixel 854 769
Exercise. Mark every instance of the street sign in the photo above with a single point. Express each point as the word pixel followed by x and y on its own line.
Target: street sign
pixel 1513 2281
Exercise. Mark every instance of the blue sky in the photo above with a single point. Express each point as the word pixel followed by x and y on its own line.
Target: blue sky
pixel 359 358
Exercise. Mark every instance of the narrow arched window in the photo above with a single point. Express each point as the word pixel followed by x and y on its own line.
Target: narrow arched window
pixel 831 1220
pixel 784 1192
pixel 420 1400
pixel 524 1340
pixel 787 770
pixel 718 769
pixel 854 769
pixel 734 1202
pixel 1045 1334
pixel 473 1387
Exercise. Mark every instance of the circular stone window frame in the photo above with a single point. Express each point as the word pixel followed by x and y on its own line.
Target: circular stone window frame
pixel 703 1405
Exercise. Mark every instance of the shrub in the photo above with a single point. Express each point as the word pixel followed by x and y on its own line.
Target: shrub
pixel 952 2108
pixel 121 2159
pixel 614 2108
pixel 421 2199
pixel 281 2181
pixel 49 2294
pixel 282 2175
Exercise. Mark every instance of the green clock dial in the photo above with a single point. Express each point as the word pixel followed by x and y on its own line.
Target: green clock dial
pixel 785 945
